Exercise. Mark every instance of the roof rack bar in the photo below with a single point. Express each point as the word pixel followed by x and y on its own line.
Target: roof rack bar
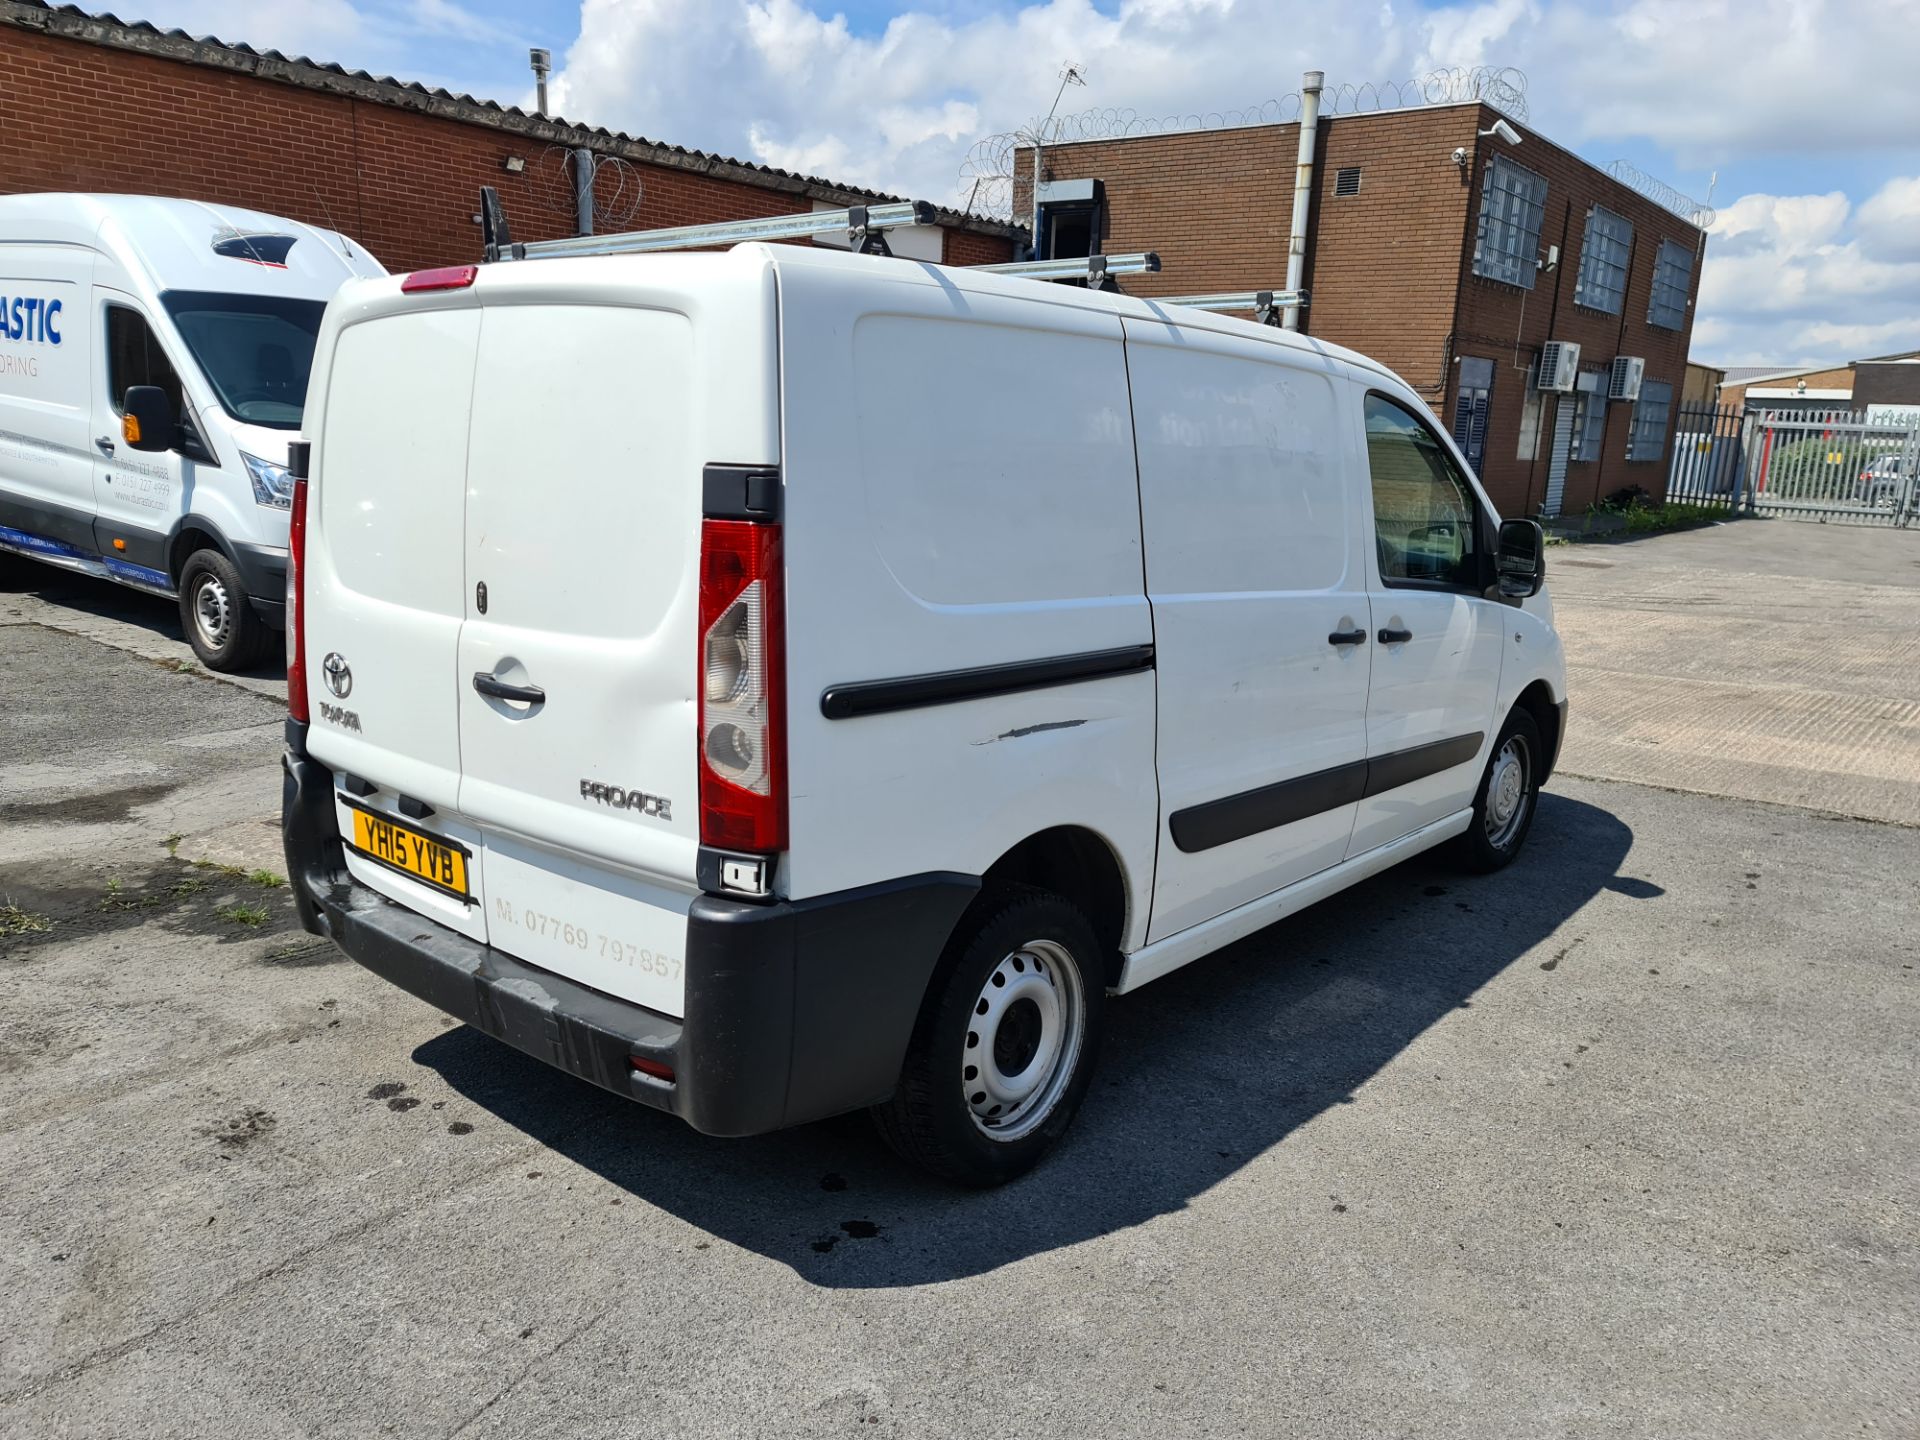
pixel 861 224
pixel 1095 269
pixel 1265 304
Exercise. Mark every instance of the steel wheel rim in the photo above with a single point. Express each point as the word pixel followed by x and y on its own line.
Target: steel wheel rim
pixel 212 611
pixel 1508 787
pixel 1023 1040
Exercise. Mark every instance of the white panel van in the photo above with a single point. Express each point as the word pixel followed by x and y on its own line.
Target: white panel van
pixel 153 367
pixel 779 682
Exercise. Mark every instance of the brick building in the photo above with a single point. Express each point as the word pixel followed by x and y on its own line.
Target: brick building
pixel 97 104
pixel 1449 255
pixel 1880 382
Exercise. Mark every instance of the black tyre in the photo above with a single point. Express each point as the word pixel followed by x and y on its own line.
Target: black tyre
pixel 218 615
pixel 1509 794
pixel 1006 1041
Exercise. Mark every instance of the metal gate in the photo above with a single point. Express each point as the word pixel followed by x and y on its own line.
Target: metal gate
pixel 1834 465
pixel 1831 466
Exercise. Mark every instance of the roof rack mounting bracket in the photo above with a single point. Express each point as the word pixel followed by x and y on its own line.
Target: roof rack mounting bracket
pixel 493 228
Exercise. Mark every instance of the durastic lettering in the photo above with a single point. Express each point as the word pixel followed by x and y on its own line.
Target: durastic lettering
pixel 30 318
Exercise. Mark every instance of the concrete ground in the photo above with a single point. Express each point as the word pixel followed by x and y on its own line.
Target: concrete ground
pixel 1771 659
pixel 1622 1141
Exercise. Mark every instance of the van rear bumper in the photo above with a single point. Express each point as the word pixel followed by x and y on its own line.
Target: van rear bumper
pixel 795 1010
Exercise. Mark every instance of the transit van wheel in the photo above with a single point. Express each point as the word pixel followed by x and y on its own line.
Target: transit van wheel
pixel 1509 794
pixel 217 614
pixel 1005 1044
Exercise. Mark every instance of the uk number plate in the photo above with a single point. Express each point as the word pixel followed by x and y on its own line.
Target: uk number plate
pixel 432 861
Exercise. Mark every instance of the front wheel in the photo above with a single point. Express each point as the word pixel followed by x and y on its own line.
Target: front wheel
pixel 1509 794
pixel 217 614
pixel 1005 1044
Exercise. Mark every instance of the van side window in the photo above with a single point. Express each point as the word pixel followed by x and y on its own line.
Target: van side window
pixel 134 357
pixel 1423 511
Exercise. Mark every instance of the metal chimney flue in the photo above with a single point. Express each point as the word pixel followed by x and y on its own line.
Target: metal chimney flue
pixel 542 62
pixel 1310 86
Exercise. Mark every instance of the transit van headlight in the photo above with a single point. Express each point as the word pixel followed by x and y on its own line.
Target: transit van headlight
pixel 272 485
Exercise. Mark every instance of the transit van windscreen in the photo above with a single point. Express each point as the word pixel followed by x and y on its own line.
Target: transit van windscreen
pixel 256 350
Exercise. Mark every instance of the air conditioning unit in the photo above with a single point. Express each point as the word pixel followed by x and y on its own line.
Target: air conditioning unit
pixel 1624 377
pixel 1559 366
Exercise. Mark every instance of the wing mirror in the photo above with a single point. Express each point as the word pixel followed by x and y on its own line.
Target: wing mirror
pixel 1520 565
pixel 148 421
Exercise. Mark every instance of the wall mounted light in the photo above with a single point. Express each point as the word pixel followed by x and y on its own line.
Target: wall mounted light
pixel 514 164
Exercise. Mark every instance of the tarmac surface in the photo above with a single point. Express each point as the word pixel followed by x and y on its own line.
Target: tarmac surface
pixel 1622 1141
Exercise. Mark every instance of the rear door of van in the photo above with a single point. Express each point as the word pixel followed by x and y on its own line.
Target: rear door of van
pixel 503 551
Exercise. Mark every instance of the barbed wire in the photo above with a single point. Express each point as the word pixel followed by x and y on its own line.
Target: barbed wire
pixel 553 172
pixel 986 175
pixel 1696 212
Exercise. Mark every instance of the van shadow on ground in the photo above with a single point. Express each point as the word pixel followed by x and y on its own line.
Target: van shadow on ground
pixel 103 599
pixel 1191 1086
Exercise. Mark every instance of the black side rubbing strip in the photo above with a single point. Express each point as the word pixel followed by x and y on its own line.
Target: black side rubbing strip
pixel 947 687
pixel 1403 767
pixel 1219 822
pixel 1235 817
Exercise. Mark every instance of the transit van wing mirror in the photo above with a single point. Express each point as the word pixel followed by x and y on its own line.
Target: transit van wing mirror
pixel 148 421
pixel 1521 562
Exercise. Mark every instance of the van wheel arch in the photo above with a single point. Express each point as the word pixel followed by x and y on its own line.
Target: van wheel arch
pixel 1079 865
pixel 193 536
pixel 1537 700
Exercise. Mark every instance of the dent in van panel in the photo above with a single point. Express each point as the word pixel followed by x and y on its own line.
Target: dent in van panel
pixel 1023 495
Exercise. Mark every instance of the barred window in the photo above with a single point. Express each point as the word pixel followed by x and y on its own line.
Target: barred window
pixel 1648 438
pixel 1672 275
pixel 1604 252
pixel 1513 201
pixel 1589 415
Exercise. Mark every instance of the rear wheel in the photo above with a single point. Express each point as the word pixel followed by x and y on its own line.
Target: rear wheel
pixel 1006 1041
pixel 218 615
pixel 1509 794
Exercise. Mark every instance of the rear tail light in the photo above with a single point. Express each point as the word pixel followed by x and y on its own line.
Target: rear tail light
pixel 658 1069
pixel 743 722
pixel 296 603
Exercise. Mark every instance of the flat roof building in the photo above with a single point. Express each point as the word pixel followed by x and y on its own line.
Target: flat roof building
pixel 1456 256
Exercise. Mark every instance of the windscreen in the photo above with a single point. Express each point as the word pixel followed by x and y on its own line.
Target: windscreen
pixel 255 350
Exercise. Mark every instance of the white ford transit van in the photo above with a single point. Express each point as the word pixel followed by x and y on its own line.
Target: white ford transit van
pixel 778 682
pixel 205 316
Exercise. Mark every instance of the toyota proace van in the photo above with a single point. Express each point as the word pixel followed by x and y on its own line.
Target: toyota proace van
pixel 780 682
pixel 153 367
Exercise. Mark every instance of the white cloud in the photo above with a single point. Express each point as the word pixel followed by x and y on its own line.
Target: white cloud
pixel 1799 279
pixel 382 35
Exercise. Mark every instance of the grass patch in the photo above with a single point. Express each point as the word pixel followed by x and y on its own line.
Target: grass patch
pixel 265 879
pixel 117 899
pixel 172 842
pixel 232 872
pixel 15 921
pixel 192 885
pixel 251 916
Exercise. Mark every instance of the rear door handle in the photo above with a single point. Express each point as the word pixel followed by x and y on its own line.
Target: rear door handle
pixel 105 442
pixel 487 685
pixel 1395 637
pixel 1347 637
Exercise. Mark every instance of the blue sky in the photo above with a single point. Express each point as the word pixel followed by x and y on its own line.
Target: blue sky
pixel 1807 111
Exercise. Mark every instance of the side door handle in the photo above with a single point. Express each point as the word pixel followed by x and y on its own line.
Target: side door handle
pixel 1347 637
pixel 1395 637
pixel 104 442
pixel 487 685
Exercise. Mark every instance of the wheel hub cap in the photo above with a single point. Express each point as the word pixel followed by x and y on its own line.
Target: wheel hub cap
pixel 1507 791
pixel 1023 1040
pixel 212 612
